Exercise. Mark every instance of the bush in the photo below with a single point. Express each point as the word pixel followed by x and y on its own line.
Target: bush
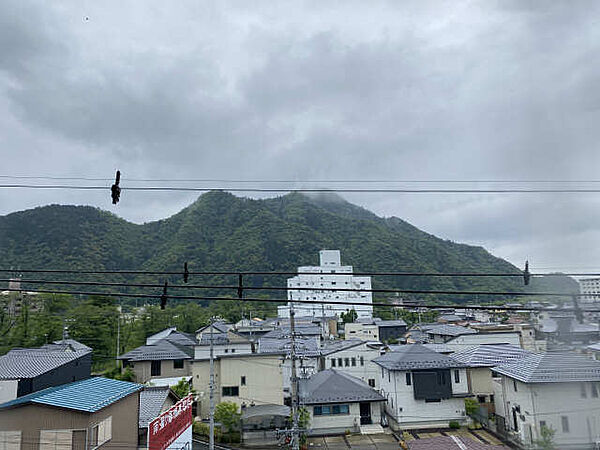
pixel 454 425
pixel 203 429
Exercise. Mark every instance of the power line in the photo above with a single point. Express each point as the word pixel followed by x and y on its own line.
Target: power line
pixel 309 190
pixel 274 273
pixel 318 302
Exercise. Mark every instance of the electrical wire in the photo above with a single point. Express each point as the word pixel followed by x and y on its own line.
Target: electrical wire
pixel 309 190
pixel 291 289
pixel 315 302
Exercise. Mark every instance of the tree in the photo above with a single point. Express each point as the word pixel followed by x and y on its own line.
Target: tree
pixel 227 414
pixel 546 440
pixel 182 388
pixel 349 316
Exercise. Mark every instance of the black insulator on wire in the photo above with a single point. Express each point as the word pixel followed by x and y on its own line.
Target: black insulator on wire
pixel 115 189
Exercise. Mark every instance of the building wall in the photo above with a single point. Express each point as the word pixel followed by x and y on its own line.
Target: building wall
pixel 142 370
pixel 480 381
pixel 365 372
pixel 365 332
pixel 408 412
pixel 549 402
pixel 125 414
pixel 387 333
pixel 8 390
pixel 203 351
pixel 338 424
pixel 264 382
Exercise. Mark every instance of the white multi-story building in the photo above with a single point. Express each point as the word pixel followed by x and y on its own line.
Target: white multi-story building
pixel 311 281
pixel 588 286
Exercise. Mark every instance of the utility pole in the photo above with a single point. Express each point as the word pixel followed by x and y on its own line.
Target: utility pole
pixel 118 334
pixel 295 431
pixel 211 417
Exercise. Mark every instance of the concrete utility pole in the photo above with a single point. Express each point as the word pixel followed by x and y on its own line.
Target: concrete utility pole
pixel 118 334
pixel 295 430
pixel 211 416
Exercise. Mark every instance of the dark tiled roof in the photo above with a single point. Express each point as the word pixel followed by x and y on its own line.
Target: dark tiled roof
pixel 221 327
pixel 161 350
pixel 74 344
pixel 489 355
pixel 304 347
pixel 552 367
pixel 309 330
pixel 414 357
pixel 338 345
pixel 390 323
pixel 88 395
pixel 331 386
pixel 32 362
pixel 152 400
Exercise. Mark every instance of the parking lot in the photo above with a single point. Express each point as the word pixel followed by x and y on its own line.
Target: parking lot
pixel 366 442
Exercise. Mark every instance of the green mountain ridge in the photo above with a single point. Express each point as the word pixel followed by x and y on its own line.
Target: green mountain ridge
pixel 222 232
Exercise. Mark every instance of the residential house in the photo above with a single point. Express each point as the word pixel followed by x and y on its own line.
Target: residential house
pixel 167 357
pixel 253 328
pixel 91 413
pixel 218 328
pixel 466 341
pixel 528 339
pixel 365 330
pixel 423 388
pixel 565 328
pixel 480 360
pixel 338 402
pixel 223 343
pixel 353 357
pixel 251 379
pixel 154 400
pixel 554 390
pixel 27 370
pixel 391 330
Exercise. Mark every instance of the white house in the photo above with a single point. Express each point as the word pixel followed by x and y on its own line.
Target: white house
pixel 330 275
pixel 556 390
pixel 354 357
pixel 338 402
pixel 423 388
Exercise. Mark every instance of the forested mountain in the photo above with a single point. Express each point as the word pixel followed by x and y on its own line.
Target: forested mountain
pixel 223 232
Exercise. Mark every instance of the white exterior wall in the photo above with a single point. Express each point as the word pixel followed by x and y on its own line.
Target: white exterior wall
pixel 362 331
pixel 320 277
pixel 411 413
pixel 549 402
pixel 471 340
pixel 305 367
pixel 589 286
pixel 8 390
pixel 369 370
pixel 337 424
pixel 203 351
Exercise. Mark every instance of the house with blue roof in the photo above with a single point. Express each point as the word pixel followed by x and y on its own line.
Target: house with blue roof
pixel 91 413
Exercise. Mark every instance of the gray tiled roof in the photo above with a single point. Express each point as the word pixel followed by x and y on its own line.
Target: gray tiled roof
pixel 415 357
pixel 152 400
pixel 309 330
pixel 552 367
pixel 32 362
pixel 221 327
pixel 161 350
pixel 489 355
pixel 74 344
pixel 390 323
pixel 448 330
pixel 331 386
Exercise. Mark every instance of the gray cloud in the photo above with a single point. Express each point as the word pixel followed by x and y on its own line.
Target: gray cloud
pixel 417 90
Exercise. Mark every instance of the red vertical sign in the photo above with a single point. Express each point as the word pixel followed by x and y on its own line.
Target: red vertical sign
pixel 167 427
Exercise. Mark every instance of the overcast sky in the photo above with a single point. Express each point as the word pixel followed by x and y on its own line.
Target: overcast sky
pixel 355 90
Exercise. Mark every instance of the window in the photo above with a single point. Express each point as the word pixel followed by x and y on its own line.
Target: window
pixel 339 362
pixel 332 362
pixel 583 390
pixel 328 410
pixel 389 375
pixel 408 379
pixel 382 373
pixel 243 380
pixel 233 350
pixel 542 423
pixel 433 400
pixel 594 390
pixel 372 382
pixel 57 440
pixel 457 376
pixel 481 398
pixel 178 364
pixel 346 362
pixel 101 433
pixel 155 368
pixel 515 385
pixel 362 361
pixel 492 398
pixel 353 361
pixel 226 350
pixel 564 420
pixel 231 391
pixel 10 440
